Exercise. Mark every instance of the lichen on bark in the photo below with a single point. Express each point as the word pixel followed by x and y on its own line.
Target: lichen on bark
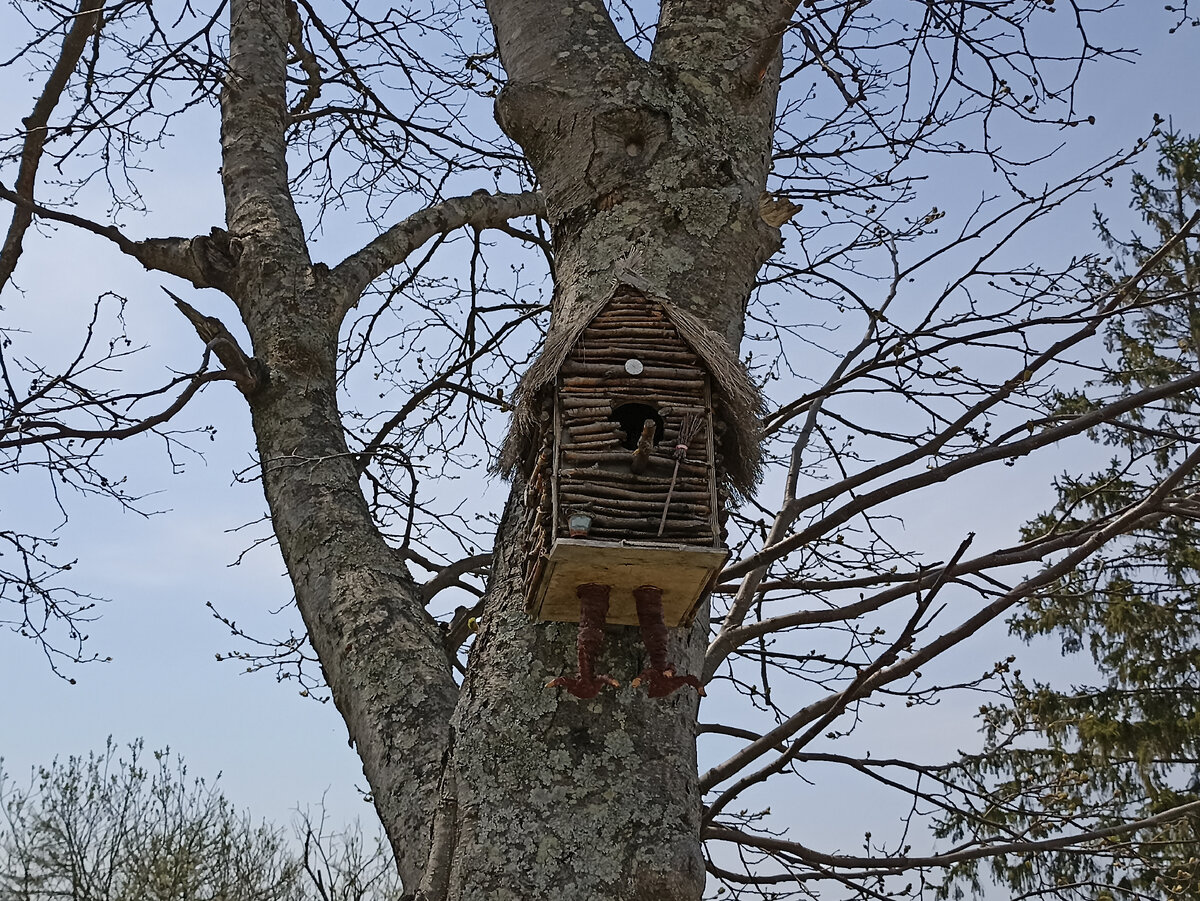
pixel 500 789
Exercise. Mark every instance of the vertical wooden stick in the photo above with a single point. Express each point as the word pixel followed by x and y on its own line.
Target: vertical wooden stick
pixel 687 431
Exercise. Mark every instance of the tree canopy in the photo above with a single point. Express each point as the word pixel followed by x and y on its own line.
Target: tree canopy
pixel 116 826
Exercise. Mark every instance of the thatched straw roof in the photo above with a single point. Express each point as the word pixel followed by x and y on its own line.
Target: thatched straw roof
pixel 736 399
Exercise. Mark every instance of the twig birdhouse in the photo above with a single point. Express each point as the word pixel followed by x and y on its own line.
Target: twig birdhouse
pixel 633 430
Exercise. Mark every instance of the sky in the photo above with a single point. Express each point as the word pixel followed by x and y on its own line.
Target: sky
pixel 275 750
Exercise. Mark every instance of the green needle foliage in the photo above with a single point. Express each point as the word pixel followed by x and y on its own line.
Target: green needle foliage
pixel 1126 745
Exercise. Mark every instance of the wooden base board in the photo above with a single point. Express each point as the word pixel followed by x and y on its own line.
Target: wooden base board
pixel 684 573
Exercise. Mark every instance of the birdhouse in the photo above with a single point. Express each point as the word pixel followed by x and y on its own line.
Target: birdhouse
pixel 633 430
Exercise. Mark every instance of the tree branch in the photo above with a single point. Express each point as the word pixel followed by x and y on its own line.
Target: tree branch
pixel 759 58
pixel 534 37
pixel 1121 524
pixel 1038 549
pixel 1013 449
pixel 448 576
pixel 481 209
pixel 56 431
pixel 202 260
pixel 440 383
pixel 858 688
pixel 900 864
pixel 86 22
pixel 780 543
pixel 247 373
pixel 707 35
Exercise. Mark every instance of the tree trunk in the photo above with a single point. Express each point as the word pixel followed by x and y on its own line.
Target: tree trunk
pixel 663 169
pixel 563 798
pixel 505 789
pixel 379 650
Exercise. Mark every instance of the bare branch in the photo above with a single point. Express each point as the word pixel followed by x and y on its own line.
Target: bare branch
pixel 1007 450
pixel 450 575
pixel 1029 552
pixel 199 260
pixel 481 209
pixel 534 38
pixel 902 864
pixel 19 429
pixel 759 58
pixel 857 689
pixel 38 431
pixel 247 373
pixel 85 22
pixel 1147 509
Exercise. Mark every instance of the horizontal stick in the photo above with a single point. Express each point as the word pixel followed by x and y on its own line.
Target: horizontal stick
pixel 579 406
pixel 594 443
pixel 664 446
pixel 638 385
pixel 586 495
pixel 649 341
pixel 606 426
pixel 649 531
pixel 629 316
pixel 618 355
pixel 605 508
pixel 649 521
pixel 657 392
pixel 604 513
pixel 651 369
pixel 648 528
pixel 607 491
pixel 693 485
pixel 570 456
pixel 633 330
pixel 696 540
pixel 692 382
pixel 651 482
pixel 629 337
pixel 695 457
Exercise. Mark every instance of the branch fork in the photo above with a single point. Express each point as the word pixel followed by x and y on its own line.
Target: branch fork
pixel 248 374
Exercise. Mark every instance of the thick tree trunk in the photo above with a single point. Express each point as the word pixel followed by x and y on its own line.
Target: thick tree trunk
pixel 662 169
pixel 562 798
pixel 379 650
pixel 505 789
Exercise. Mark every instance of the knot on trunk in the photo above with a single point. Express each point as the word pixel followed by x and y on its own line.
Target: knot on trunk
pixel 216 255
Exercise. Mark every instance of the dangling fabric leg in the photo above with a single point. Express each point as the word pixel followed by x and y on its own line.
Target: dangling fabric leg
pixel 593 611
pixel 659 676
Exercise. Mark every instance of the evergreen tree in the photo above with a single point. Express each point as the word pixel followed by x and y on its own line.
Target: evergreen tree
pixel 1126 745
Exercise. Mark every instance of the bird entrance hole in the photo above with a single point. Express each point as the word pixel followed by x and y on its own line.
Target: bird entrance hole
pixel 632 418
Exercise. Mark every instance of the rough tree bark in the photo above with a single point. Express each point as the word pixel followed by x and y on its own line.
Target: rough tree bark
pixel 504 790
pixel 377 646
pixel 667 159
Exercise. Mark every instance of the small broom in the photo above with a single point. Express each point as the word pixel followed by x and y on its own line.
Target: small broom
pixel 687 431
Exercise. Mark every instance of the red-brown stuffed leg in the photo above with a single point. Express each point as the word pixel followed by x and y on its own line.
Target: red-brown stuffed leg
pixel 659 676
pixel 593 611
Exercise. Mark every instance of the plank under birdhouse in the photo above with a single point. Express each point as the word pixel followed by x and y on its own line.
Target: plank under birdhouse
pixel 684 574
